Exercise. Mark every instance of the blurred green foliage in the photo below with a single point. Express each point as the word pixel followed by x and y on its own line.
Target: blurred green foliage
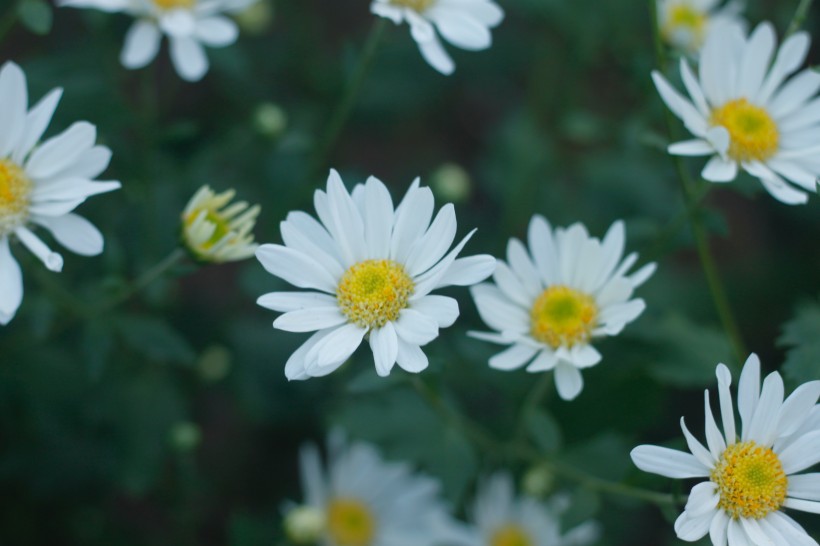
pixel 167 420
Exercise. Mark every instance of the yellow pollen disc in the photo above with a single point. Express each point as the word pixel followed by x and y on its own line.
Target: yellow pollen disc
pixel 15 193
pixel 350 522
pixel 510 535
pixel 416 5
pixel 683 17
pixel 371 293
pixel 752 131
pixel 750 480
pixel 563 316
pixel 174 4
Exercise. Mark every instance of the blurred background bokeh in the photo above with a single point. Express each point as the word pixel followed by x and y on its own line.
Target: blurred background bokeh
pixel 167 419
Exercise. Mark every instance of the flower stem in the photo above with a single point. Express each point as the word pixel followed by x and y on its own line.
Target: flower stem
pixel 690 197
pixel 534 399
pixel 343 108
pixel 143 281
pixel 799 18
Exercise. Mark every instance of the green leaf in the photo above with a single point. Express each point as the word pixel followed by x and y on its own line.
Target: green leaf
pixel 545 432
pixel 800 335
pixel 36 16
pixel 155 339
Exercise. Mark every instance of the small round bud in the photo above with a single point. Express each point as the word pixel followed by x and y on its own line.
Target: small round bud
pixel 256 18
pixel 304 525
pixel 538 481
pixel 270 120
pixel 214 363
pixel 451 182
pixel 185 436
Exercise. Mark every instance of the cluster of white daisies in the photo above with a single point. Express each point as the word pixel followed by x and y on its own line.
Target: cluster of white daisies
pixel 368 267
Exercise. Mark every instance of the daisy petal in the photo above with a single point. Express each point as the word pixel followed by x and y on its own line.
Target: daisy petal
pixel 74 232
pixel 568 380
pixel 11 279
pixel 669 463
pixel 513 357
pixel 141 44
pixel 385 346
pixel 411 358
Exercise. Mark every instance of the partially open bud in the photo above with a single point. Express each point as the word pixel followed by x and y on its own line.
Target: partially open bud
pixel 304 525
pixel 217 232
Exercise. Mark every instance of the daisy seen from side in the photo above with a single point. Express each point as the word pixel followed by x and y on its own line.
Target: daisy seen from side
pixel 503 519
pixel 189 25
pixel 359 499
pixel 752 473
pixel 464 23
pixel 684 24
pixel 216 230
pixel 41 183
pixel 370 268
pixel 747 113
pixel 550 302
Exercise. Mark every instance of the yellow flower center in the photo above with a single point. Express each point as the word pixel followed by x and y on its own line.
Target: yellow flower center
pixel 563 316
pixel 15 194
pixel 350 523
pixel 750 480
pixel 416 5
pixel 752 131
pixel 174 4
pixel 511 535
pixel 373 292
pixel 687 18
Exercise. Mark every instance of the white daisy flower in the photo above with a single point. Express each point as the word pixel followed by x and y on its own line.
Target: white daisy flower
pixel 751 476
pixel 746 115
pixel 463 23
pixel 188 24
pixel 364 501
pixel 374 268
pixel 40 184
pixel 215 232
pixel 548 304
pixel 684 24
pixel 502 519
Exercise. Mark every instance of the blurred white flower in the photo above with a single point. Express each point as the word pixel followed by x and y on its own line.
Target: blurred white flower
pixel 684 24
pixel 751 475
pixel 746 115
pixel 215 231
pixel 502 519
pixel 372 268
pixel 548 304
pixel 463 23
pixel 366 501
pixel 40 184
pixel 188 24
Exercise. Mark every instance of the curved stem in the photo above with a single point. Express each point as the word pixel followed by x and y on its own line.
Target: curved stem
pixel 534 399
pixel 343 108
pixel 689 191
pixel 799 18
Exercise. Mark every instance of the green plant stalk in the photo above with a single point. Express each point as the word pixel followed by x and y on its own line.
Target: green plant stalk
pixel 143 281
pixel 534 399
pixel 342 111
pixel 716 288
pixel 799 17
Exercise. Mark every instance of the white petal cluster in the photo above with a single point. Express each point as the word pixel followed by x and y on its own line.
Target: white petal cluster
pixel 502 518
pixel 789 429
pixel 463 23
pixel 42 183
pixel 684 24
pixel 388 503
pixel 747 113
pixel 189 25
pixel 567 258
pixel 363 233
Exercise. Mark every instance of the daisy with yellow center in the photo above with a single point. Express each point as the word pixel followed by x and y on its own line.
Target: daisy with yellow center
pixel 751 474
pixel 549 303
pixel 684 24
pixel 501 518
pixel 464 23
pixel 189 25
pixel 362 500
pixel 215 231
pixel 370 269
pixel 747 113
pixel 41 183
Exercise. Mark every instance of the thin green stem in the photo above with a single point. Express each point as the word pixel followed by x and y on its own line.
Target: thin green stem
pixel 674 226
pixel 689 191
pixel 8 20
pixel 534 399
pixel 471 431
pixel 354 85
pixel 799 18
